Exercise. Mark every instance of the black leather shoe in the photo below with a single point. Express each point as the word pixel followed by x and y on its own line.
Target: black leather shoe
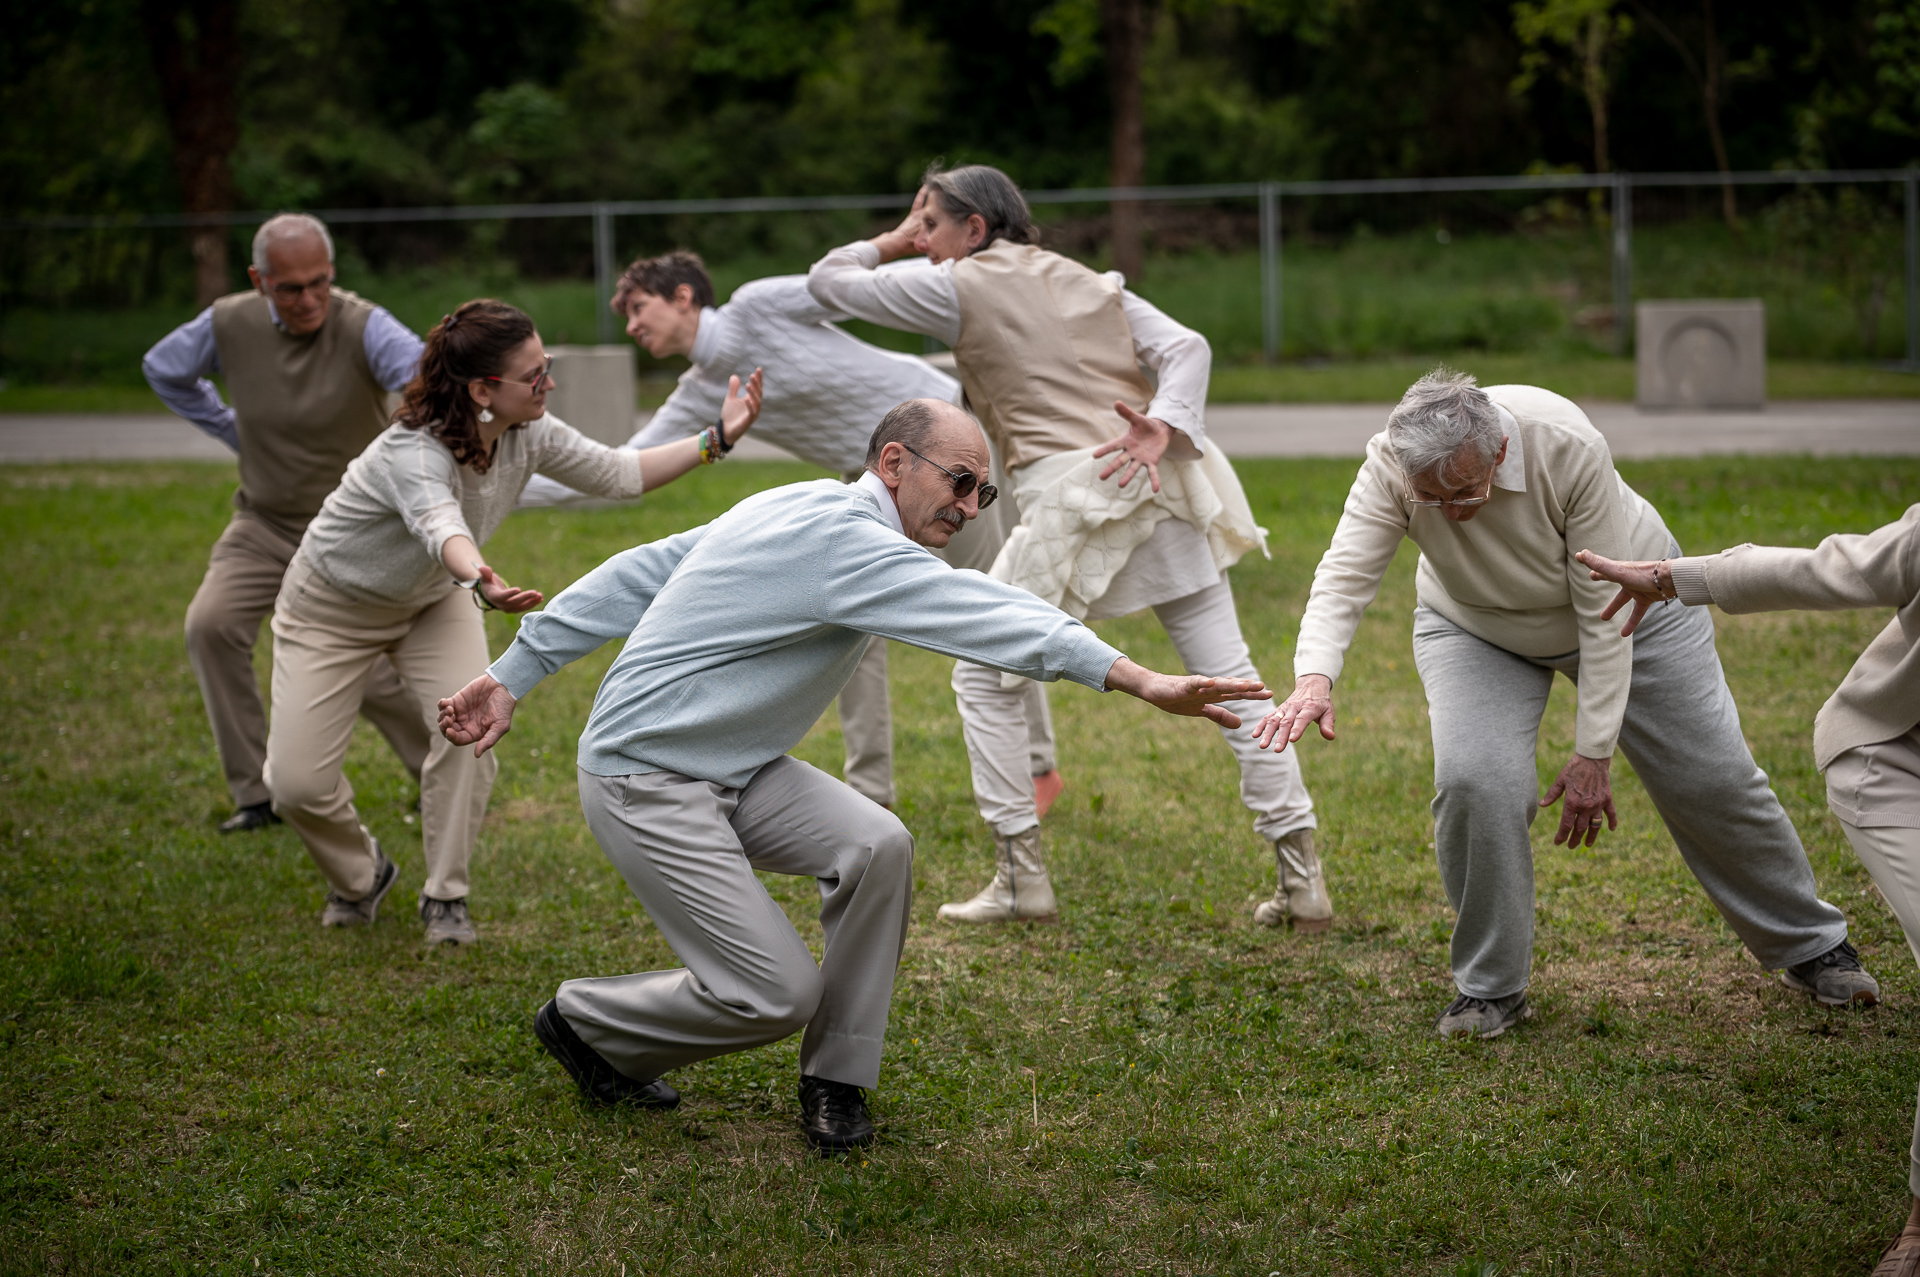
pixel 834 1115
pixel 598 1080
pixel 257 816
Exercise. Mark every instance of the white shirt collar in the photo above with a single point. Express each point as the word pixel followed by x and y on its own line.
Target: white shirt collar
pixel 1511 474
pixel 706 339
pixel 876 487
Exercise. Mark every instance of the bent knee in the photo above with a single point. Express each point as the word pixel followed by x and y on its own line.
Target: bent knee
pixel 786 1008
pixel 1486 790
pixel 301 789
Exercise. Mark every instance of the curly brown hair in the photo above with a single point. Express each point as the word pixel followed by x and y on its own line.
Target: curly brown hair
pixel 471 343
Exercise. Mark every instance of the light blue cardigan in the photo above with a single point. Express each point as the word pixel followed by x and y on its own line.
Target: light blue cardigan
pixel 740 633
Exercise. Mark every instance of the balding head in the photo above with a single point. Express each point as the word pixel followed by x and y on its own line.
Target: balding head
pixel 917 450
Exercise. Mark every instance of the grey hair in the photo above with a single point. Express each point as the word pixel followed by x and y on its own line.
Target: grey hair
pixel 1441 414
pixel 985 190
pixel 912 425
pixel 284 227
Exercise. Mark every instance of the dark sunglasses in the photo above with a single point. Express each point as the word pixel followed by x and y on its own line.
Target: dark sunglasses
pixel 964 481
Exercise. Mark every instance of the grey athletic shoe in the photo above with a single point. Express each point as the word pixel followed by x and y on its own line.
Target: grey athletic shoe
pixel 1835 978
pixel 447 921
pixel 342 912
pixel 1484 1018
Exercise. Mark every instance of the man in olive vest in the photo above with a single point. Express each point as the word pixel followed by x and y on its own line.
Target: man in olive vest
pixel 1048 352
pixel 309 366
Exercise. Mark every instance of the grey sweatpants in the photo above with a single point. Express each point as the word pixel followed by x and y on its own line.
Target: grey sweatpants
pixel 688 849
pixel 1681 733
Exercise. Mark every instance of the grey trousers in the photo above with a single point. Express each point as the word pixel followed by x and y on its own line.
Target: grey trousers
pixel 688 849
pixel 1682 734
pixel 243 578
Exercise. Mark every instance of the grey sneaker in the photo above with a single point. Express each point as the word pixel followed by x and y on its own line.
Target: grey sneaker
pixel 447 921
pixel 1835 978
pixel 1484 1018
pixel 342 912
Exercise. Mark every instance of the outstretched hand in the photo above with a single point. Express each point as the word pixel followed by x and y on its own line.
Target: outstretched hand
pixel 1311 702
pixel 1636 581
pixel 741 407
pixel 504 596
pixel 479 714
pixel 1188 695
pixel 1146 441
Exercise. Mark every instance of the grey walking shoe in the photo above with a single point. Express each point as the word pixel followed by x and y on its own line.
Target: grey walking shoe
pixel 1484 1017
pixel 447 921
pixel 342 912
pixel 1835 978
pixel 1300 900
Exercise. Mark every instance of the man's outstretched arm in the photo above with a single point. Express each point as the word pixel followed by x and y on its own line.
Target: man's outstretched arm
pixel 1188 695
pixel 603 605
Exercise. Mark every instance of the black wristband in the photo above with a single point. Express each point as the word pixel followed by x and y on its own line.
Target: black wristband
pixel 720 435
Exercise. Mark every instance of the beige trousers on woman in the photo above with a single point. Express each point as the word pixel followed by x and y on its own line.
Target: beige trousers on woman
pixel 324 643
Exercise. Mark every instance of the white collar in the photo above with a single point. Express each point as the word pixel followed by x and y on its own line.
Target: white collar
pixel 1511 474
pixel 876 487
pixel 706 338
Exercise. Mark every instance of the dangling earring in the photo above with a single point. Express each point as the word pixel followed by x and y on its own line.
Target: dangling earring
pixel 486 415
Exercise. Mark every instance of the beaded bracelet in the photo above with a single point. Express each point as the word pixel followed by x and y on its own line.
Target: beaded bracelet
pixel 709 450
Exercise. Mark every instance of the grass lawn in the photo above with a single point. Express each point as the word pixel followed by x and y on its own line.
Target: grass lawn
pixel 195 1077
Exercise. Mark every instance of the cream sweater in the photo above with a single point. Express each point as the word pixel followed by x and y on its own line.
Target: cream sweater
pixel 1879 698
pixel 1507 575
pixel 378 536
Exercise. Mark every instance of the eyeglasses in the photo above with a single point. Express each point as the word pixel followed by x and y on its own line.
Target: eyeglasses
pixel 1435 502
pixel 964 481
pixel 533 383
pixel 290 293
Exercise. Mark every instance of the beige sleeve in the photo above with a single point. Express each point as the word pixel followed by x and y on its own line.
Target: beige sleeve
pixel 1369 532
pixel 564 454
pixel 1596 517
pixel 1876 569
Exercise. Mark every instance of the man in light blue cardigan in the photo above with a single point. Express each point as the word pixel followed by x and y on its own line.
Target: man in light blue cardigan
pixel 738 634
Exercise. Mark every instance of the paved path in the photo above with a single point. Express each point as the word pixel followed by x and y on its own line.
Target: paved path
pixel 1877 427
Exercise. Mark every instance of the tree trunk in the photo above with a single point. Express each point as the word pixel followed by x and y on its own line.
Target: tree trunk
pixel 195 45
pixel 1126 30
pixel 1594 56
pixel 1710 93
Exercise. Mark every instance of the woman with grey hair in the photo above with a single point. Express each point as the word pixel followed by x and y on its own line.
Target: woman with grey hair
pixel 1048 352
pixel 1501 488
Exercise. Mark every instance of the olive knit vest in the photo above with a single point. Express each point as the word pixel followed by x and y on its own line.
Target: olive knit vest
pixel 304 406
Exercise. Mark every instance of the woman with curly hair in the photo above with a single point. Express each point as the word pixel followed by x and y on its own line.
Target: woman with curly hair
pixel 392 566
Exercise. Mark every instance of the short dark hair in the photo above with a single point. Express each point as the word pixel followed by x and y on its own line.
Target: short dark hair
pixel 661 276
pixel 910 424
pixel 983 189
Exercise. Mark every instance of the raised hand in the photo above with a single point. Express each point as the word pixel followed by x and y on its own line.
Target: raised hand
pixel 504 596
pixel 1144 443
pixel 1188 695
pixel 741 408
pixel 906 237
pixel 479 714
pixel 1311 702
pixel 1639 584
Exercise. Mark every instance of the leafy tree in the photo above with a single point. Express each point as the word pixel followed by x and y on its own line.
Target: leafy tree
pixel 1588 30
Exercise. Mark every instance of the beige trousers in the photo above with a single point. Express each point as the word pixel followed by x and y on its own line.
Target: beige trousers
pixel 223 621
pixel 324 644
pixel 689 849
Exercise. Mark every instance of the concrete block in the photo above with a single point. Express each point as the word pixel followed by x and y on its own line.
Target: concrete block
pixel 594 391
pixel 1701 354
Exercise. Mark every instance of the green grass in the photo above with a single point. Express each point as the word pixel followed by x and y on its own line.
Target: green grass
pixel 195 1077
pixel 1369 307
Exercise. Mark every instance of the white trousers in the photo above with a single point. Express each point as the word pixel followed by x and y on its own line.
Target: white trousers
pixel 1205 630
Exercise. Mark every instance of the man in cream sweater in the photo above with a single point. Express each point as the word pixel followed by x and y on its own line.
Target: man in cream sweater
pixel 1500 488
pixel 684 773
pixel 1866 738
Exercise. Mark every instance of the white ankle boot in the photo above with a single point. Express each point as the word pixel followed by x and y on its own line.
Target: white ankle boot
pixel 1301 899
pixel 1020 889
